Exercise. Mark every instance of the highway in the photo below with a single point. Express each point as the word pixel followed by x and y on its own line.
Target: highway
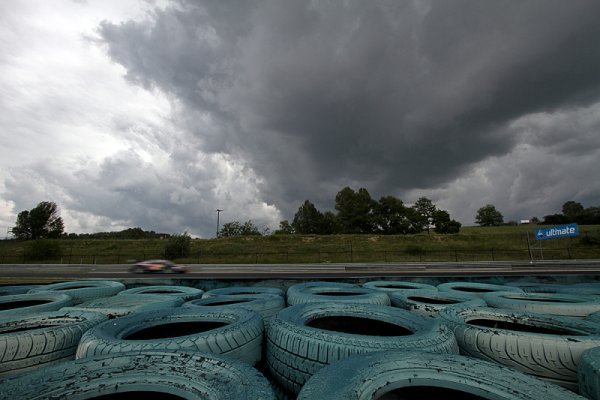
pixel 46 272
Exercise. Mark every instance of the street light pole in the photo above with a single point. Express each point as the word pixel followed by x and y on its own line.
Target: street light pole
pixel 218 214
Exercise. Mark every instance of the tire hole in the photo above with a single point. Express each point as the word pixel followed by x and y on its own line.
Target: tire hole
pixel 395 286
pixel 474 289
pixel 226 303
pixel 175 329
pixel 358 326
pixel 75 287
pixel 20 304
pixel 146 395
pixel 431 300
pixel 428 392
pixel 518 327
pixel 161 291
pixel 339 294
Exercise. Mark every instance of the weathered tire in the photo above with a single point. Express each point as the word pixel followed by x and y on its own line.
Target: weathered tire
pixel 535 287
pixel 304 338
pixel 81 291
pixel 298 287
pixel 394 286
pixel 243 290
pixel 588 289
pixel 415 375
pixel 593 317
pixel 475 289
pixel 338 295
pixel 588 373
pixel 565 305
pixel 183 292
pixel 431 302
pixel 30 303
pixel 37 340
pixel 16 289
pixel 119 306
pixel 237 333
pixel 142 375
pixel 266 305
pixel 546 346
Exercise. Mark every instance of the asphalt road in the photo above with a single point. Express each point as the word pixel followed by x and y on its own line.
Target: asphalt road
pixel 41 272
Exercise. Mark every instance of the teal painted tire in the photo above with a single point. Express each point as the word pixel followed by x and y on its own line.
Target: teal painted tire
pixel 431 302
pixel 298 287
pixel 16 289
pixel 143 375
pixel 545 346
pixel 338 295
pixel 566 305
pixel 304 338
pixel 535 287
pixel 394 286
pixel 417 375
pixel 266 305
pixel 81 291
pixel 120 306
pixel 593 317
pixel 475 289
pixel 588 373
pixel 236 333
pixel 243 290
pixel 42 339
pixel 185 293
pixel 30 303
pixel 588 289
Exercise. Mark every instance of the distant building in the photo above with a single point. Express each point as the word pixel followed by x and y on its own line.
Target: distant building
pixel 524 222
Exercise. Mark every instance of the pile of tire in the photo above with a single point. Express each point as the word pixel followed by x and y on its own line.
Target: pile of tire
pixel 318 339
pixel 304 338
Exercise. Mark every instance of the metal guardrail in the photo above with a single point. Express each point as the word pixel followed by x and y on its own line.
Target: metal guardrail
pixel 327 256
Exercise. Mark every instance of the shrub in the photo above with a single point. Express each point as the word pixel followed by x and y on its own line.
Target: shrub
pixel 178 246
pixel 43 249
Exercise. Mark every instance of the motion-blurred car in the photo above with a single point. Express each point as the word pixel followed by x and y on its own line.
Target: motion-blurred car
pixel 158 266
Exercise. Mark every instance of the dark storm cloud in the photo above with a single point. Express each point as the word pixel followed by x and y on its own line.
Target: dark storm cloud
pixel 383 94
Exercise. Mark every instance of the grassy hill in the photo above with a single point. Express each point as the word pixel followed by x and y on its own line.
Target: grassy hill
pixel 471 244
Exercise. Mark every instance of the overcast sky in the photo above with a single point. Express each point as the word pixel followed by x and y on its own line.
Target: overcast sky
pixel 154 114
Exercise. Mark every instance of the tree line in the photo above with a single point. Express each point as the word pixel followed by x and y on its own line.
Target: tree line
pixel 44 222
pixel 358 213
pixel 572 212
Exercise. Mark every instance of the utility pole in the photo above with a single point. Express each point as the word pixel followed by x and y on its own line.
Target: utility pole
pixel 218 214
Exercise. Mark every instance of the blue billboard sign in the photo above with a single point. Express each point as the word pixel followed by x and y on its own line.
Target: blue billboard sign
pixel 556 232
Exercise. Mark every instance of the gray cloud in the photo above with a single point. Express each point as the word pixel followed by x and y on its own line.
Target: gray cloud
pixel 255 106
pixel 388 95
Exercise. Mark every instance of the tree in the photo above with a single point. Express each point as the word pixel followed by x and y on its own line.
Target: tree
pixel 284 228
pixel 443 223
pixel 231 229
pixel 308 219
pixel 555 219
pixel 391 217
pixel 355 210
pixel 424 209
pixel 329 224
pixel 489 216
pixel 572 210
pixel 249 229
pixel 589 216
pixel 42 221
pixel 178 246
